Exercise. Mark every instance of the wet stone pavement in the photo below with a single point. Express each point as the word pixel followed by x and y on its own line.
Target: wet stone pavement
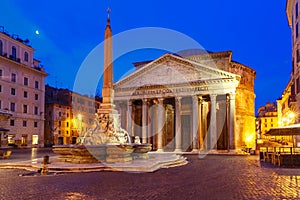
pixel 213 177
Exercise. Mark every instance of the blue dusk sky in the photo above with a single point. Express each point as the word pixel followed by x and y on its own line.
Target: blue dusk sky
pixel 64 32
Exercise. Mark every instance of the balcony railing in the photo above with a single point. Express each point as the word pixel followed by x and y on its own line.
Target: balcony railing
pixel 11 57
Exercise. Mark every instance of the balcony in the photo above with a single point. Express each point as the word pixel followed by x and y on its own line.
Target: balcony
pixel 11 57
pixel 5 114
pixel 3 55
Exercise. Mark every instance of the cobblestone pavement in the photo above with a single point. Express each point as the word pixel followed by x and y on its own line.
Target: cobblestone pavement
pixel 213 177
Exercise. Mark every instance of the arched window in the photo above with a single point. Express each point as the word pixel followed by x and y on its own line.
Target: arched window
pixel 1 48
pixel 26 56
pixel 14 52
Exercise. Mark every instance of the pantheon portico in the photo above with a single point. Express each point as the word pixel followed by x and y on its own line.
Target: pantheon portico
pixel 180 103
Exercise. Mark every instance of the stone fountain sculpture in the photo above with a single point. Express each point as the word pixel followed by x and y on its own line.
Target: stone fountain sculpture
pixel 107 141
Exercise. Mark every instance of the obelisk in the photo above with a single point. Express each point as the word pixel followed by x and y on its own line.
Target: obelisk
pixel 107 90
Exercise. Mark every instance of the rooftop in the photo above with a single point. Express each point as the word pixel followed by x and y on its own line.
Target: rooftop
pixel 15 37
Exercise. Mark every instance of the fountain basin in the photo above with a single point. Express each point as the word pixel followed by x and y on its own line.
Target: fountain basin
pixel 79 153
pixel 110 153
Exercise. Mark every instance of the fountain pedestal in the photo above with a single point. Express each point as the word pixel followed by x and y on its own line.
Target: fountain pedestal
pixel 118 153
pixel 141 151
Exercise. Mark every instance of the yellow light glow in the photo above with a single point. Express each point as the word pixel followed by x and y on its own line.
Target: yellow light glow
pixel 79 117
pixel 249 138
pixel 284 119
pixel 259 141
pixel 292 115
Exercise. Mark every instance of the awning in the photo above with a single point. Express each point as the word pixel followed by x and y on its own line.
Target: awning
pixel 3 129
pixel 5 113
pixel 284 131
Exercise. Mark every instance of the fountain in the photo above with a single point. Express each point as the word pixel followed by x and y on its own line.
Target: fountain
pixel 107 142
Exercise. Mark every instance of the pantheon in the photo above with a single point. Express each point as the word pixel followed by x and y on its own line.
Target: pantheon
pixel 193 100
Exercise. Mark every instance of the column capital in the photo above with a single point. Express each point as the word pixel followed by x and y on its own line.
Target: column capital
pixel 195 98
pixel 129 102
pixel 213 97
pixel 160 100
pixel 178 98
pixel 144 100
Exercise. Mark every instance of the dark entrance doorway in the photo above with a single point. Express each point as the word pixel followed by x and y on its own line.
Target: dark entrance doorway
pixel 186 132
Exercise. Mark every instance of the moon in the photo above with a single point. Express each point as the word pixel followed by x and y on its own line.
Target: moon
pixel 37 32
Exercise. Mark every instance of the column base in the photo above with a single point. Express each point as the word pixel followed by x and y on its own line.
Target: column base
pixel 178 151
pixel 195 151
pixel 213 151
pixel 159 150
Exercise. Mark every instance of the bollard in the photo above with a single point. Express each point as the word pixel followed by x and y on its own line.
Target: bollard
pixel 46 160
pixel 44 170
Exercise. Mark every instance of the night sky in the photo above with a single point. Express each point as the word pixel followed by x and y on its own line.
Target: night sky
pixel 64 32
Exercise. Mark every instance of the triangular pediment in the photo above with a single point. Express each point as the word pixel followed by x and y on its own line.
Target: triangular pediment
pixel 171 70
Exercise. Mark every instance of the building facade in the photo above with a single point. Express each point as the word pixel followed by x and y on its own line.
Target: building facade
pixel 287 107
pixel 22 91
pixel 68 115
pixel 190 101
pixel 267 118
pixel 292 12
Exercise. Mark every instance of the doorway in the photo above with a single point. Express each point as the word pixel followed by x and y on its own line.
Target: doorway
pixel 186 132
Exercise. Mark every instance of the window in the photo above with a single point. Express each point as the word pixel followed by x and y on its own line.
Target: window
pixel 1 48
pixel 67 124
pixel 297 30
pixel 1 73
pixel 59 114
pixel 25 108
pixel 35 140
pixel 36 97
pixel 12 122
pixel 14 52
pixel 59 123
pixel 12 107
pixel 13 91
pixel 25 94
pixel 36 84
pixel 36 110
pixel 265 120
pixel 13 77
pixel 0 104
pixel 26 56
pixel 24 123
pixel 25 81
pixel 35 124
pixel 0 88
pixel 296 10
